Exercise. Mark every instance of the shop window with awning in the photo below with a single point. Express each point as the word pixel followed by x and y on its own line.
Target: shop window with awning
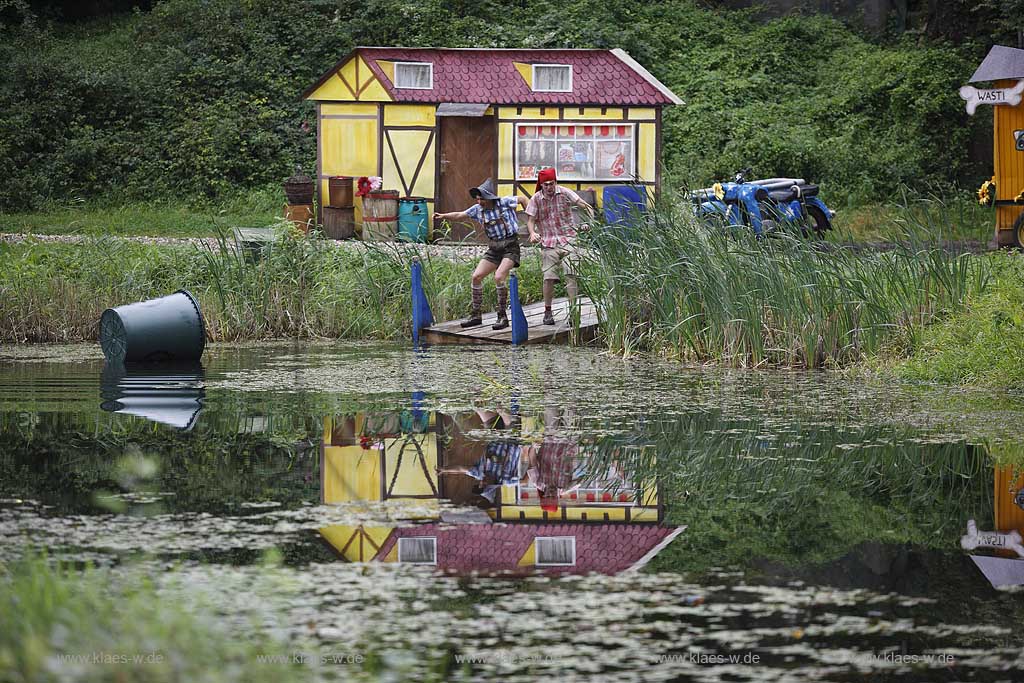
pixel 585 151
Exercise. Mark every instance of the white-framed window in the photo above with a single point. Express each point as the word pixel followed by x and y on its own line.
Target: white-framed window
pixel 555 551
pixel 418 550
pixel 552 78
pixel 414 75
pixel 576 150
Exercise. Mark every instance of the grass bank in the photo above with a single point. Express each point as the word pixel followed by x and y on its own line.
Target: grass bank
pixel 159 218
pixel 304 288
pixel 978 345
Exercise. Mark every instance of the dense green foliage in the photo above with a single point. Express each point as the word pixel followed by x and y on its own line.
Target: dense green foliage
pixel 201 99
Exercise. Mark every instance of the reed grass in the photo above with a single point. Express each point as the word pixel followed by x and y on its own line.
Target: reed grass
pixel 299 287
pixel 669 284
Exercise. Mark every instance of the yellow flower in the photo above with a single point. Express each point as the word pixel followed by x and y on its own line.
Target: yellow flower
pixel 987 192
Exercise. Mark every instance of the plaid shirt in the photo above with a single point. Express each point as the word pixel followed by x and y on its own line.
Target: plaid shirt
pixel 500 222
pixel 501 461
pixel 553 215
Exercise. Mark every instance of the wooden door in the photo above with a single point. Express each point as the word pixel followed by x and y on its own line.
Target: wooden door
pixel 468 153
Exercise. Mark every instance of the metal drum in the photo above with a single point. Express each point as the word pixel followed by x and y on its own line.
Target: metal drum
pixel 412 219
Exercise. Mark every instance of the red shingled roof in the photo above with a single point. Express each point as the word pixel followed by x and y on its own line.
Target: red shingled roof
pixel 599 77
pixel 492 548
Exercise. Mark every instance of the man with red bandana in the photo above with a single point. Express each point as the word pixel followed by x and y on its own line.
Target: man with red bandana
pixel 553 225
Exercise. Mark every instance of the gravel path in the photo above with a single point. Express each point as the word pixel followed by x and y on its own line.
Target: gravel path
pixel 453 252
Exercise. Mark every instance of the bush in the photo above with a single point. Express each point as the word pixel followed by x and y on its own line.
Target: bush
pixel 202 99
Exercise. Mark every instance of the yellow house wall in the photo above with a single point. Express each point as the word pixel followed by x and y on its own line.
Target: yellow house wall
pixel 351 473
pixel 529 558
pixel 411 479
pixel 347 145
pixel 1007 482
pixel 408 147
pixel 409 115
pixel 1009 163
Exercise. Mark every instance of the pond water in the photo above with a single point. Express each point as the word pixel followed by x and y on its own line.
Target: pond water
pixel 524 513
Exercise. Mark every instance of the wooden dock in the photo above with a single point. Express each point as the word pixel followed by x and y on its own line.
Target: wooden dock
pixel 452 332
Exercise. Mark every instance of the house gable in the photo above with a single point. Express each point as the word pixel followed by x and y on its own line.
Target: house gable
pixel 351 80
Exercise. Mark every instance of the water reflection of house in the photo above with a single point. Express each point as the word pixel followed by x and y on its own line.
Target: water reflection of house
pixel 1005 566
pixel 605 525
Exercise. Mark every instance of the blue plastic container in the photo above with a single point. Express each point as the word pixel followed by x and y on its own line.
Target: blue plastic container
pixel 623 204
pixel 412 219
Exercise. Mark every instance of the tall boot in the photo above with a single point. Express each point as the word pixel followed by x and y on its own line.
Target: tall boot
pixel 502 306
pixel 475 318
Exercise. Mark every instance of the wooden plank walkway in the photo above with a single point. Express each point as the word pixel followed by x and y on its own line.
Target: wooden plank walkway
pixel 451 332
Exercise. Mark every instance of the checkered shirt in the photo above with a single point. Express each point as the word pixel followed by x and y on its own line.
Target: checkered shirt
pixel 500 222
pixel 555 222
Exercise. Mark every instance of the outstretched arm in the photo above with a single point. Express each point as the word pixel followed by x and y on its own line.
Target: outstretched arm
pixel 522 201
pixel 452 216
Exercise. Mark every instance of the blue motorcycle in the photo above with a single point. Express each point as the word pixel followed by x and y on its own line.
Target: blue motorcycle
pixel 765 205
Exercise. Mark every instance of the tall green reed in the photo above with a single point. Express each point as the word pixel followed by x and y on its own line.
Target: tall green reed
pixel 670 284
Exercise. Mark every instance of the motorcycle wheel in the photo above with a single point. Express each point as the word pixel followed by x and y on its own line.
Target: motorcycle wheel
pixel 816 222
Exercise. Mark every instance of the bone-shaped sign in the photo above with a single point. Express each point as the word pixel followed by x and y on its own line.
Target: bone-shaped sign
pixel 990 539
pixel 974 96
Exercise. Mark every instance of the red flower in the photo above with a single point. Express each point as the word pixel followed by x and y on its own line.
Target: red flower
pixel 363 186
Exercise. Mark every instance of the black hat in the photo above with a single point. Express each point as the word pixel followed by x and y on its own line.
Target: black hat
pixel 484 190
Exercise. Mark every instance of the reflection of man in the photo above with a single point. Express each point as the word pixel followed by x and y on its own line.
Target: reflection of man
pixel 498 467
pixel 554 470
pixel 552 224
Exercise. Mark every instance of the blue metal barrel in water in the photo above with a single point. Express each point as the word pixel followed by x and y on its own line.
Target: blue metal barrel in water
pixel 166 329
pixel 412 219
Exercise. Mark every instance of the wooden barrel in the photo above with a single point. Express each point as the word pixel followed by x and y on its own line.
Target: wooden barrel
pixel 301 215
pixel 339 223
pixel 339 191
pixel 380 216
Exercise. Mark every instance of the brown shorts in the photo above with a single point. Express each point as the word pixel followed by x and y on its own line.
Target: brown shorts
pixel 565 255
pixel 503 249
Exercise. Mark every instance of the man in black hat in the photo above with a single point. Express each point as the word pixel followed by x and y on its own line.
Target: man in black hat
pixel 497 216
